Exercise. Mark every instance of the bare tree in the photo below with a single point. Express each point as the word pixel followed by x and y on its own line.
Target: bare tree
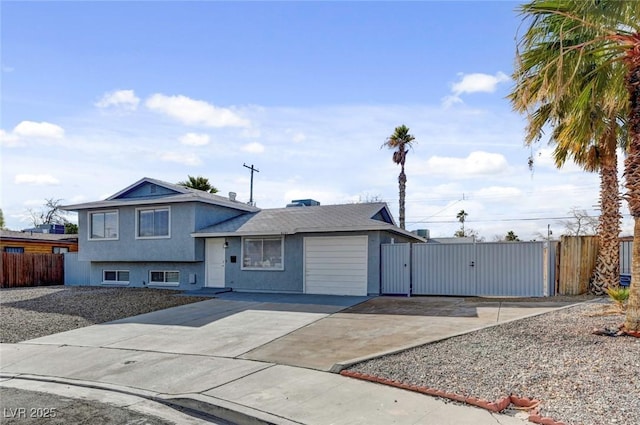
pixel 580 223
pixel 50 213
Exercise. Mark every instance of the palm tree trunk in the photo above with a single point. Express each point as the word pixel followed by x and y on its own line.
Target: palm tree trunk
pixel 607 271
pixel 402 181
pixel 632 175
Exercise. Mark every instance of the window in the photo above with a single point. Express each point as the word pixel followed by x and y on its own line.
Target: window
pixel 103 225
pixel 117 277
pixel 60 249
pixel 152 223
pixel 14 249
pixel 170 278
pixel 262 253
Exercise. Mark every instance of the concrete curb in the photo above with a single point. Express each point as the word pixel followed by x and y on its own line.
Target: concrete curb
pixel 496 406
pixel 196 403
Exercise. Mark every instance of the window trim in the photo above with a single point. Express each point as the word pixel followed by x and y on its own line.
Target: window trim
pixel 90 225
pixel 164 282
pixel 115 282
pixel 13 249
pixel 269 269
pixel 153 208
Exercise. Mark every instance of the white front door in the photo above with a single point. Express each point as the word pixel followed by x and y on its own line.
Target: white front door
pixel 215 263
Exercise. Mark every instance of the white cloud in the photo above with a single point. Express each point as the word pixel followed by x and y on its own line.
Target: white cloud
pixel 181 158
pixel 195 112
pixel 195 139
pixel 125 99
pixel 254 147
pixel 44 130
pixel 474 83
pixel 477 163
pixel 8 139
pixel 36 179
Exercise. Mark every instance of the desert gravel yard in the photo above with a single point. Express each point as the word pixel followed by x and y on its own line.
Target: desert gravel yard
pixel 28 313
pixel 580 378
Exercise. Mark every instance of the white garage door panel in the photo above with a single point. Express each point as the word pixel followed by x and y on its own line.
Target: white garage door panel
pixel 336 265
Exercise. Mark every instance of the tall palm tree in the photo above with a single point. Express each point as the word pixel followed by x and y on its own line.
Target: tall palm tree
pixel 462 217
pixel 586 119
pixel 400 142
pixel 610 31
pixel 199 183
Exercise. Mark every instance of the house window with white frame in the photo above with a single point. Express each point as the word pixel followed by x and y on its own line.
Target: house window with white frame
pixel 263 253
pixel 103 225
pixel 153 222
pixel 115 277
pixel 164 277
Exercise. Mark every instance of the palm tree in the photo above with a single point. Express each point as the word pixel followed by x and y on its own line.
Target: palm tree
pixel 400 142
pixel 608 30
pixel 198 183
pixel 462 217
pixel 587 122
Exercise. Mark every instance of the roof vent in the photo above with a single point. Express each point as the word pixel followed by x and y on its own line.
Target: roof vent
pixel 232 196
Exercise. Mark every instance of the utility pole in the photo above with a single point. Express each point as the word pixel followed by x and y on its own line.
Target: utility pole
pixel 251 190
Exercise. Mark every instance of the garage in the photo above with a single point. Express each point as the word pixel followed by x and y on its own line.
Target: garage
pixel 335 265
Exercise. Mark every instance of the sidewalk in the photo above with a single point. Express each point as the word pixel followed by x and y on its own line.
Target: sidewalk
pixel 195 356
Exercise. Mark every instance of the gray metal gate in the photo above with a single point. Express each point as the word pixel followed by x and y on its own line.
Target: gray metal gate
pixel 396 269
pixel 443 269
pixel 468 269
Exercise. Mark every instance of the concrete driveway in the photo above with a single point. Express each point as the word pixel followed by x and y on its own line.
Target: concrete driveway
pixel 316 332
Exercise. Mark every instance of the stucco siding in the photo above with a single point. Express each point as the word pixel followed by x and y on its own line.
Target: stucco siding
pixel 139 273
pixel 287 280
pixel 291 278
pixel 180 246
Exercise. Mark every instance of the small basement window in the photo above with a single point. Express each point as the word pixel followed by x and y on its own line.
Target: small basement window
pixel 60 249
pixel 164 277
pixel 115 277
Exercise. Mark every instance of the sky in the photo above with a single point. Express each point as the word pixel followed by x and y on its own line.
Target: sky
pixel 97 95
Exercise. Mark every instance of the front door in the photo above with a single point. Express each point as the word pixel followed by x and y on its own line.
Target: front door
pixel 215 263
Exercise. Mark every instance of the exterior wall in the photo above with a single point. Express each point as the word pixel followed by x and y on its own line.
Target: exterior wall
pixel 180 246
pixel 287 280
pixel 139 273
pixel 39 247
pixel 291 278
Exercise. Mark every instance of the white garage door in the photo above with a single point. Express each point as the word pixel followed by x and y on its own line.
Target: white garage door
pixel 335 265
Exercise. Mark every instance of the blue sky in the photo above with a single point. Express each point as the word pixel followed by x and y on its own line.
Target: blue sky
pixel 96 95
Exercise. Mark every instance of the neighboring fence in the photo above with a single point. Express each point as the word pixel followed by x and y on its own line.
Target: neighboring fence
pixel 626 250
pixel 468 269
pixel 29 269
pixel 76 272
pixel 578 256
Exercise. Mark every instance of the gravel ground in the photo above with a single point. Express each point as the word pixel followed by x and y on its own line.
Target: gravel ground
pixel 28 313
pixel 581 378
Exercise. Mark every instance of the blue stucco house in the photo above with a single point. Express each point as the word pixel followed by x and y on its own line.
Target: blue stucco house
pixel 159 234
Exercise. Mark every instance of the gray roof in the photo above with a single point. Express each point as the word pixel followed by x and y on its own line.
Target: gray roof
pixel 183 194
pixel 12 234
pixel 323 218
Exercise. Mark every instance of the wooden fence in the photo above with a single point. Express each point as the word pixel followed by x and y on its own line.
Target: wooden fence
pixel 30 269
pixel 578 256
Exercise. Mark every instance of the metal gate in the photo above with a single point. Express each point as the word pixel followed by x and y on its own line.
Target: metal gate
pixel 469 269
pixel 396 269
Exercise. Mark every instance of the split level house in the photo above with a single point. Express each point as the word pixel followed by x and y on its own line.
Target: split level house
pixel 158 234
